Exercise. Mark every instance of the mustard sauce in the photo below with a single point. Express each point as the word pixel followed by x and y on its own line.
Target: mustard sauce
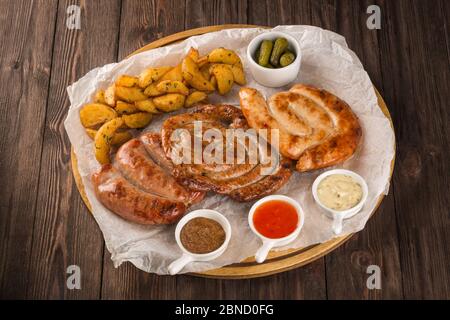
pixel 339 192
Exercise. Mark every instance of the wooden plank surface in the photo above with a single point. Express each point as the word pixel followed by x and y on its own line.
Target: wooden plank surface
pixel 408 60
pixel 25 65
pixel 414 47
pixel 65 233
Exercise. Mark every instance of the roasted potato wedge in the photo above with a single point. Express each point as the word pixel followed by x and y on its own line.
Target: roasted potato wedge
pixel 103 139
pixel 194 98
pixel 125 108
pixel 238 75
pixel 146 106
pixel 130 94
pixel 126 81
pixel 150 75
pixel 222 55
pixel 174 74
pixel 137 120
pixel 170 86
pixel 194 77
pixel 99 97
pixel 110 95
pixel 152 91
pixel 205 71
pixel 213 81
pixel 91 132
pixel 95 114
pixel 119 138
pixel 169 102
pixel 224 77
pixel 202 61
pixel 193 54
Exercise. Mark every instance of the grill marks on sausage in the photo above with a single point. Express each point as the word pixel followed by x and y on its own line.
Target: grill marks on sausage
pixel 140 188
pixel 243 182
pixel 316 128
pixel 131 203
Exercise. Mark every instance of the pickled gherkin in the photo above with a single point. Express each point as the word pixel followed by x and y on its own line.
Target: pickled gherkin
pixel 257 54
pixel 286 59
pixel 279 48
pixel 274 54
pixel 265 51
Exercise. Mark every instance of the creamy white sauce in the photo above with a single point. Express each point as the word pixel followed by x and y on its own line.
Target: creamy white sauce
pixel 339 192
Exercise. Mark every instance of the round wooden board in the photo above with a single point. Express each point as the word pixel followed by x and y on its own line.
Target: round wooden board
pixel 277 261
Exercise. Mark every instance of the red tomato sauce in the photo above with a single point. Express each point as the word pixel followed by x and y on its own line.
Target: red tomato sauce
pixel 275 219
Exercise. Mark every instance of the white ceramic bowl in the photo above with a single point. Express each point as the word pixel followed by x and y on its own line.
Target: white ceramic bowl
pixel 188 256
pixel 339 216
pixel 269 243
pixel 274 77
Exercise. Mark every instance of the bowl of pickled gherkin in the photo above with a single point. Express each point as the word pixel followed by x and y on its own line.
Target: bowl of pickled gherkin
pixel 274 58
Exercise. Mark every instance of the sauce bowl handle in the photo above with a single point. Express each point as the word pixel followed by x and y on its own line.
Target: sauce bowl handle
pixel 263 251
pixel 179 264
pixel 337 223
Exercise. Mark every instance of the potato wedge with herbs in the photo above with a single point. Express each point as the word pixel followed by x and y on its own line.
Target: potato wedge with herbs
pixel 110 95
pixel 103 139
pixel 238 75
pixel 126 81
pixel 137 120
pixel 205 71
pixel 222 55
pixel 194 77
pixel 125 108
pixel 202 61
pixel 119 138
pixel 170 86
pixel 193 54
pixel 169 102
pixel 152 91
pixel 95 114
pixel 195 98
pixel 130 94
pixel 224 77
pixel 99 97
pixel 213 81
pixel 174 74
pixel 150 75
pixel 146 106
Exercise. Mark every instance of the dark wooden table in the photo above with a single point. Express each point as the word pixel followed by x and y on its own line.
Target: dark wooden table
pixel 45 227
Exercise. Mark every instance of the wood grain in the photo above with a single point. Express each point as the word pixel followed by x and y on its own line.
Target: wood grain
pixel 378 243
pixel 25 65
pixel 65 234
pixel 415 64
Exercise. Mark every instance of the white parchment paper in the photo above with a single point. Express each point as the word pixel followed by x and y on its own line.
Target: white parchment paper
pixel 327 62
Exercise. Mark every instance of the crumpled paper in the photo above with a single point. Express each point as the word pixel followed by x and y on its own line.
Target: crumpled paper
pixel 327 62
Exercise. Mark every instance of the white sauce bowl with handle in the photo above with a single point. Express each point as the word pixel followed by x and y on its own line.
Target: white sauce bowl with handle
pixel 337 215
pixel 188 256
pixel 269 243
